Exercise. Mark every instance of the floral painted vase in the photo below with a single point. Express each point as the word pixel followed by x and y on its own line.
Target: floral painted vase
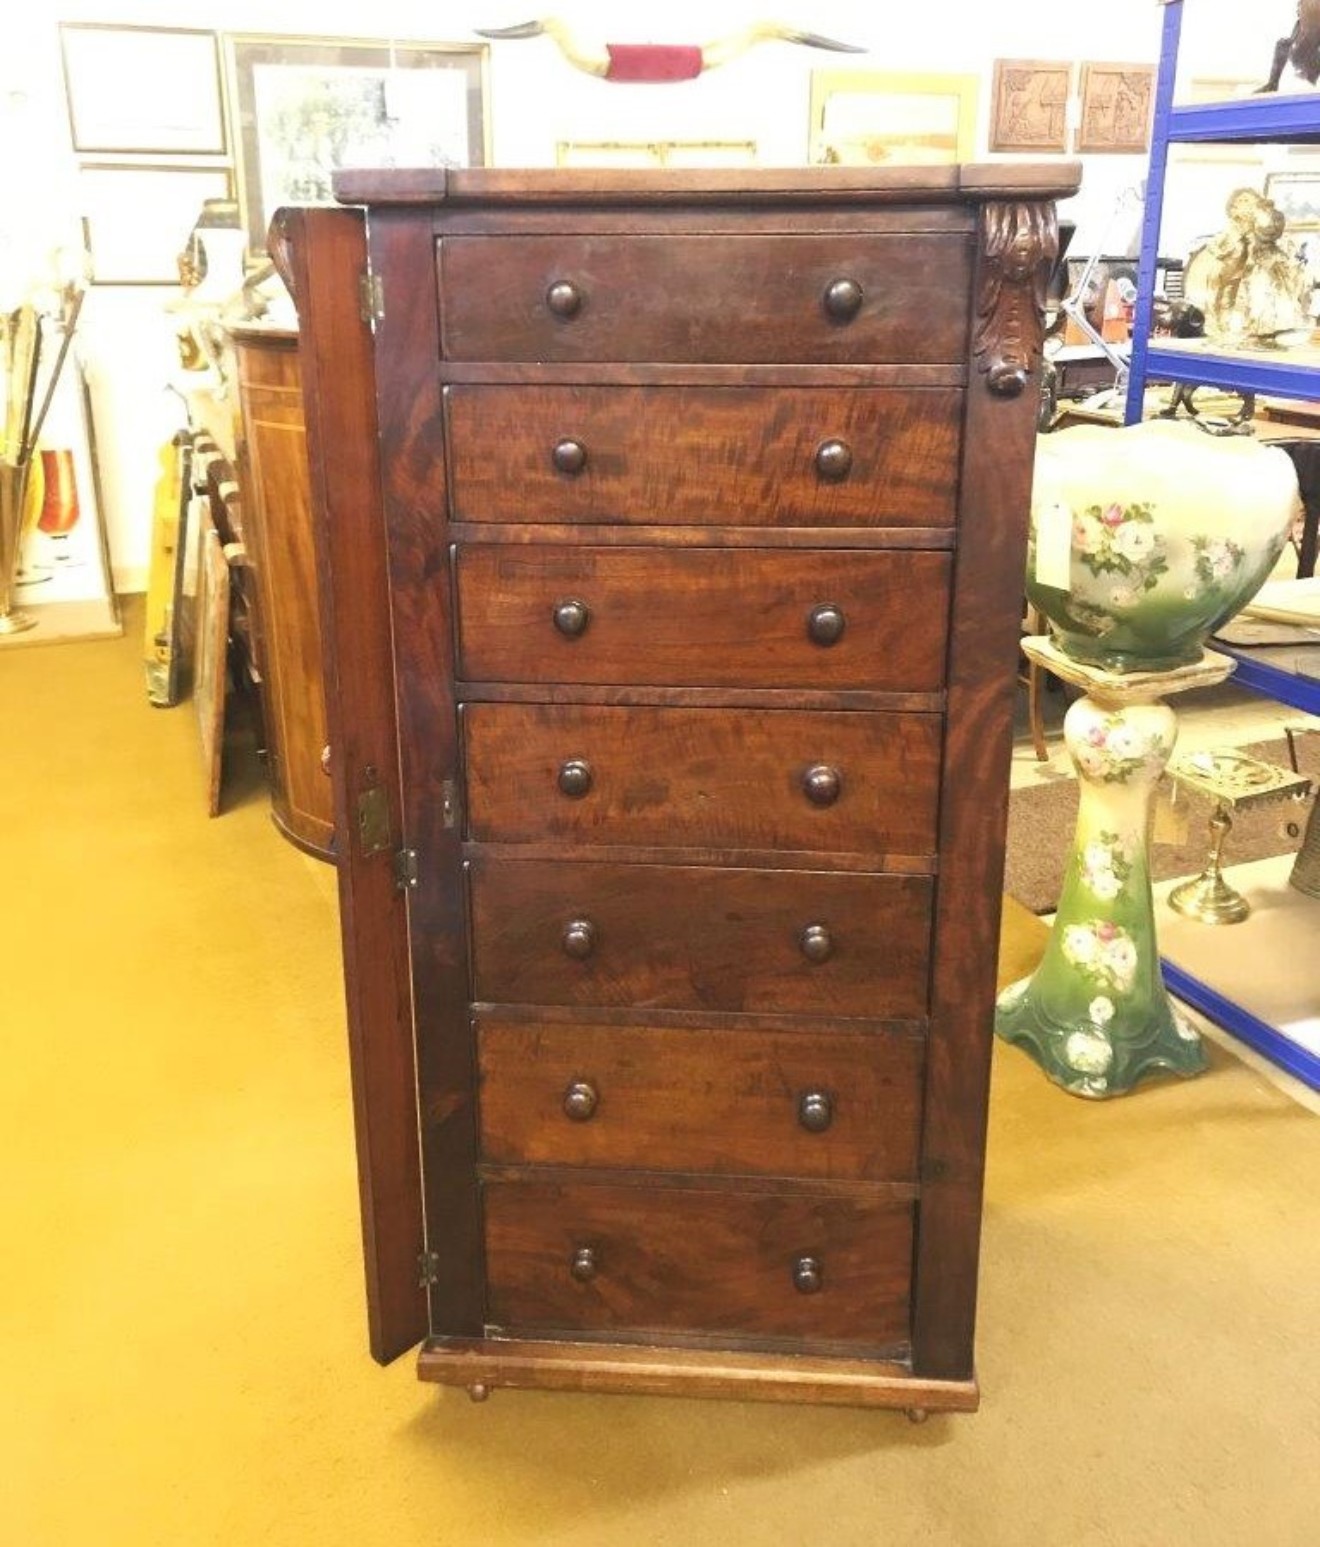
pixel 1145 540
pixel 1095 1014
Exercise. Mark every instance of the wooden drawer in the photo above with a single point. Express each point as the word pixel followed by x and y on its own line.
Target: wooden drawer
pixel 844 1105
pixel 741 456
pixel 689 937
pixel 818 780
pixel 702 617
pixel 623 1259
pixel 703 298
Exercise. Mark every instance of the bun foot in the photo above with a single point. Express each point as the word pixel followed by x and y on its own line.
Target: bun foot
pixel 917 1414
pixel 479 1391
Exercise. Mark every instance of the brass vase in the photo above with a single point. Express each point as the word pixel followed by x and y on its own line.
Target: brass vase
pixel 13 489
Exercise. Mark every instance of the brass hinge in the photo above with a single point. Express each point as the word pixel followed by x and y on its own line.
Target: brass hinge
pixel 371 297
pixel 428 1269
pixel 407 871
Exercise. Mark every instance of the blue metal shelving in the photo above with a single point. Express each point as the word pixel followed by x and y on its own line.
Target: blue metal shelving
pixel 1292 119
pixel 1276 375
pixel 1289 687
pixel 1292 1056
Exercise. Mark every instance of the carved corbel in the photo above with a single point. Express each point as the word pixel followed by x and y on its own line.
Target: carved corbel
pixel 1019 243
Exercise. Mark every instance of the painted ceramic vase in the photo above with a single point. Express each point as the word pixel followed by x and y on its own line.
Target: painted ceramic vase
pixel 1169 532
pixel 1095 1014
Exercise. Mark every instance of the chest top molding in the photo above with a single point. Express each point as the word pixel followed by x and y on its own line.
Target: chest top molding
pixel 972 183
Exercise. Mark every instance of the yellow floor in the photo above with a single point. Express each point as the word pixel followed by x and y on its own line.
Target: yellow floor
pixel 182 1351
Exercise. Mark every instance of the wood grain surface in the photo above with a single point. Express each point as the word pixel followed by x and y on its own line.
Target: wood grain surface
pixel 709 1261
pixel 700 777
pixel 693 455
pixel 694 938
pixel 278 527
pixel 713 298
pixel 702 617
pixel 717 1099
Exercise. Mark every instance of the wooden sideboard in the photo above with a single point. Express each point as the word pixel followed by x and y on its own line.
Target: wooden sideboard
pixel 685 714
pixel 260 431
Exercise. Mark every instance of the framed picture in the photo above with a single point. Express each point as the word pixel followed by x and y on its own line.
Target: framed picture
pixel 145 91
pixel 655 153
pixel 1297 197
pixel 1029 107
pixel 137 219
pixel 874 118
pixel 1117 102
pixel 308 106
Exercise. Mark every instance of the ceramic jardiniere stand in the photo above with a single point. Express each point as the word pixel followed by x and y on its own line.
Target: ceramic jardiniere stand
pixel 1095 1014
pixel 1145 540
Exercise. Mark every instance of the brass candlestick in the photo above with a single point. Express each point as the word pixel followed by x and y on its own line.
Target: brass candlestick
pixel 1234 782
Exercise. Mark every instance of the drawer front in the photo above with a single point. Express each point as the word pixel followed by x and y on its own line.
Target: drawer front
pixel 705 298
pixel 825 781
pixel 741 456
pixel 703 617
pixel 622 1259
pixel 687 937
pixel 842 1105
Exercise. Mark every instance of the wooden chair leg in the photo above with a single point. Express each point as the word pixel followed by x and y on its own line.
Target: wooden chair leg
pixel 1035 711
pixel 1034 677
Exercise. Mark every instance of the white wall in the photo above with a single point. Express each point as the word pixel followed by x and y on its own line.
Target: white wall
pixel 537 100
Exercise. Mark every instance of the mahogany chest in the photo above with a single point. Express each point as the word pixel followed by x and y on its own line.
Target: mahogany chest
pixel 671 535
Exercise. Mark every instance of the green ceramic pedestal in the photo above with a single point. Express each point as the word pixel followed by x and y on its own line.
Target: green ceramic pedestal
pixel 1095 1014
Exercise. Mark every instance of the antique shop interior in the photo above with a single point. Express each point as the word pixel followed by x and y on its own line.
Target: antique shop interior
pixel 661 683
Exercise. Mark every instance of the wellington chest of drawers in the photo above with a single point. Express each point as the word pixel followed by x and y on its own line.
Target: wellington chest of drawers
pixel 671 536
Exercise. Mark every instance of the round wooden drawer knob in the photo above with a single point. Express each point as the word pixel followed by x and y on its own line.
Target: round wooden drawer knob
pixel 807 1276
pixel 579 939
pixel 825 624
pixel 580 1101
pixel 822 784
pixel 842 300
pixel 834 460
pixel 815 1110
pixel 571 618
pixel 564 298
pixel 817 944
pixel 583 1264
pixel 575 778
pixel 569 457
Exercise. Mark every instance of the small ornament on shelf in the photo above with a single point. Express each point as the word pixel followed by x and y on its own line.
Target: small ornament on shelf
pixel 1300 49
pixel 1249 281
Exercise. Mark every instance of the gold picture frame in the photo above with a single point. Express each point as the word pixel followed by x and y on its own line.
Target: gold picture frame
pixel 888 118
pixel 1029 106
pixel 1118 104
